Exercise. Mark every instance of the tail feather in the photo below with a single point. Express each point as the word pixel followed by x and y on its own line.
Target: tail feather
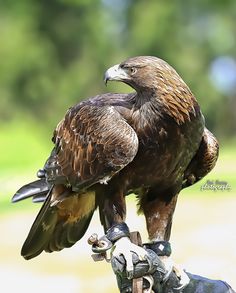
pixel 39 198
pixel 41 230
pixel 67 234
pixel 75 215
pixel 33 189
pixel 62 220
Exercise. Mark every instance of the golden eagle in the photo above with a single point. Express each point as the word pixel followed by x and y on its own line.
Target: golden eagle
pixel 152 142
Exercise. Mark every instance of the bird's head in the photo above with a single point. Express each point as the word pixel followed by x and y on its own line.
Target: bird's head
pixel 141 73
pixel 155 79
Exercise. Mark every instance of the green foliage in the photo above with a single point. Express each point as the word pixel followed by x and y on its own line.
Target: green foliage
pixel 54 53
pixel 26 146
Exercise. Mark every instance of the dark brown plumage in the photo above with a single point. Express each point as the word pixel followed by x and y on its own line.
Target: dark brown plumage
pixel 152 142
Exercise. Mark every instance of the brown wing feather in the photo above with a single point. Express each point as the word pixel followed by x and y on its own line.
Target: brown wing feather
pixel 93 143
pixel 204 160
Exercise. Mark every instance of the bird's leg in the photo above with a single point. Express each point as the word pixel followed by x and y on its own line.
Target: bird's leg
pixel 158 214
pixel 112 210
pixel 158 211
pixel 112 214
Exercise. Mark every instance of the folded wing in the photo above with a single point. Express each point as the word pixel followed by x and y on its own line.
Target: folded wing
pixel 92 143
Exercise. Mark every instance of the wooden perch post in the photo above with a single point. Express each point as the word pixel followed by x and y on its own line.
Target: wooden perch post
pixel 137 286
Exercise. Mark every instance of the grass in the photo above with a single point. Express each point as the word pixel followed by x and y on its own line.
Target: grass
pixel 26 146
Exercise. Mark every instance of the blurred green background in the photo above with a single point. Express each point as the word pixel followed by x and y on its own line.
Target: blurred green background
pixel 54 53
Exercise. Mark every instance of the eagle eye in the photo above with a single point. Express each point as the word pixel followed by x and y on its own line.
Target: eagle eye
pixel 132 70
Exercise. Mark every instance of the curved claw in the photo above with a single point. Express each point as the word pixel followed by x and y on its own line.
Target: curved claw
pixel 183 277
pixel 150 280
pixel 179 272
pixel 169 264
pixel 125 247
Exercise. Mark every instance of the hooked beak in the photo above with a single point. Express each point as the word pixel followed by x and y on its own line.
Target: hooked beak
pixel 115 73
